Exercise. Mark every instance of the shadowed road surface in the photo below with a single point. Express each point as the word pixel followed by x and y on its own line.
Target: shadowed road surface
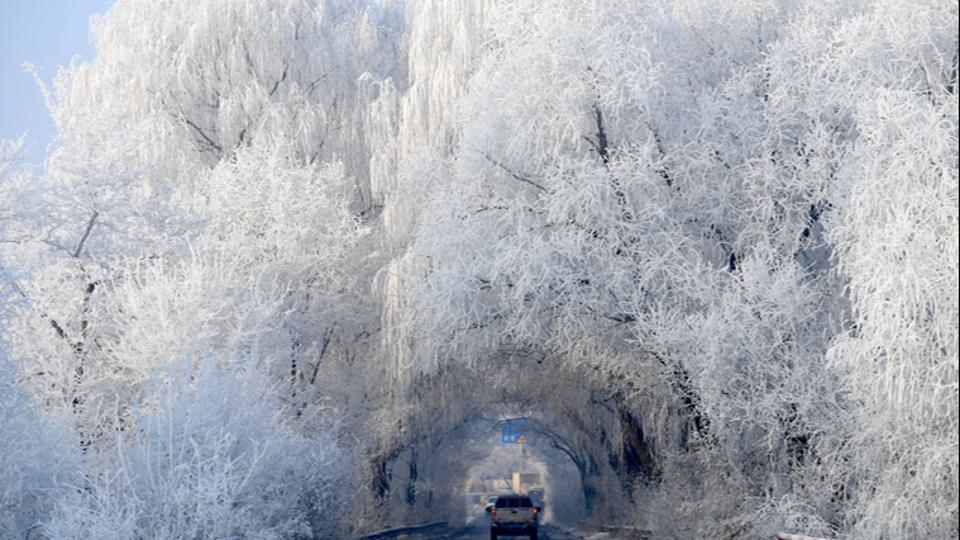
pixel 482 532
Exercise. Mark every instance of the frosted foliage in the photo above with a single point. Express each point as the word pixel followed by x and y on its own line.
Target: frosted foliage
pixel 708 250
pixel 35 457
pixel 163 102
pixel 236 73
pixel 264 205
pixel 416 111
pixel 210 457
pixel 897 236
pixel 727 192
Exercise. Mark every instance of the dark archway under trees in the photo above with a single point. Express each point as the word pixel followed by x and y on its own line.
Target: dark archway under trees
pixel 452 423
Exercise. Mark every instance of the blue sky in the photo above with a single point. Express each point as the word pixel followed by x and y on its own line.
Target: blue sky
pixel 47 33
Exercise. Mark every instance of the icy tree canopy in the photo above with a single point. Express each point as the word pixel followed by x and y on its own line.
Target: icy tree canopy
pixel 292 265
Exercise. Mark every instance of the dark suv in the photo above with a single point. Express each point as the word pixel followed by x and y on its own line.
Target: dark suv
pixel 513 515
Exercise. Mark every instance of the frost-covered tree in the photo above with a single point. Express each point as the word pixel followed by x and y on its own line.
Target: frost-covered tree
pixel 643 190
pixel 207 453
pixel 191 212
pixel 139 202
pixel 36 457
pixel 895 231
pixel 728 233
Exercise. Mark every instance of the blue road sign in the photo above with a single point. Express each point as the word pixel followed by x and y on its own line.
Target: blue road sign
pixel 511 431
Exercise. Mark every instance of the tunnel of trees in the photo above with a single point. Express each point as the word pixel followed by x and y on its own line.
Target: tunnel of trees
pixel 291 263
pixel 455 414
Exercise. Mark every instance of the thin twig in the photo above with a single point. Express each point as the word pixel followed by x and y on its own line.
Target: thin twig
pixel 276 85
pixel 204 135
pixel 86 234
pixel 323 351
pixel 514 174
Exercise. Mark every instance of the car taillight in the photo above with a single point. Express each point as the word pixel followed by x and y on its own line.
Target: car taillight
pixel 493 514
pixel 536 511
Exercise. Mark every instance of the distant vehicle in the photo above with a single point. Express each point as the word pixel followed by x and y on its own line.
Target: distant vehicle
pixel 536 495
pixel 522 482
pixel 486 501
pixel 514 515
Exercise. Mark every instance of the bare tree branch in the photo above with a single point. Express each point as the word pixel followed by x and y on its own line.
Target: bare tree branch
pixel 204 135
pixel 514 174
pixel 276 85
pixel 323 351
pixel 602 144
pixel 86 234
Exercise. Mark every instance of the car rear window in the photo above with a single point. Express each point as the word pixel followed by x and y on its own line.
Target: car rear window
pixel 514 502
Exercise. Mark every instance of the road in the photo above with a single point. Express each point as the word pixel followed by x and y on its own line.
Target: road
pixel 482 532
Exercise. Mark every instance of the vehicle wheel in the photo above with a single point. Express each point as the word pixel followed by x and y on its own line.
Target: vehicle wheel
pixel 493 535
pixel 533 535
